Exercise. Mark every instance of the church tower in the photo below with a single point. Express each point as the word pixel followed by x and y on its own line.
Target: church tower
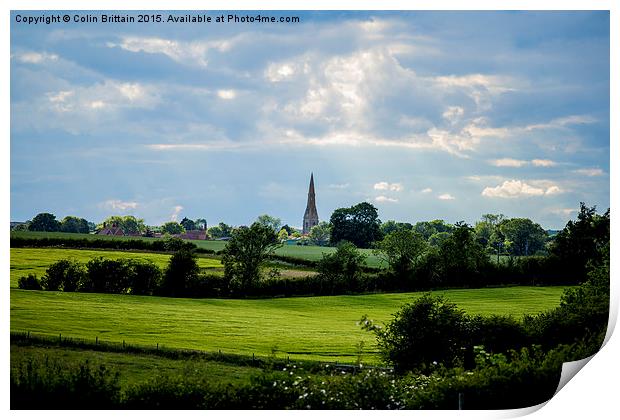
pixel 311 217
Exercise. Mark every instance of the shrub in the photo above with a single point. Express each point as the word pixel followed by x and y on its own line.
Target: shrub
pixel 29 282
pixel 145 277
pixel 65 275
pixel 108 276
pixel 422 334
pixel 341 270
pixel 47 384
pixel 181 275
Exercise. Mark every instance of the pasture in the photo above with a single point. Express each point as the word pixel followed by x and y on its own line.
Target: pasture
pixel 36 260
pixel 310 252
pixel 313 328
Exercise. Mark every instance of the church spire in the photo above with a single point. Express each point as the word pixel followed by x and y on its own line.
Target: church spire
pixel 311 216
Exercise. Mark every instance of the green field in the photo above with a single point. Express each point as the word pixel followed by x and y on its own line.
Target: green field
pixel 312 253
pixel 314 328
pixel 36 260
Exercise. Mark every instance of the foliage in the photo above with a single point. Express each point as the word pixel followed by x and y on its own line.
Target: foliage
pixel 64 275
pixel 393 226
pixel 581 241
pixel 271 222
pixel 422 334
pixel 130 225
pixel 74 224
pixel 47 384
pixel 29 282
pixel 244 254
pixel 222 230
pixel 342 269
pixel 358 224
pixel 462 259
pixel 188 224
pixel 428 229
pixel 522 236
pixel 401 249
pixel 320 234
pixel 45 222
pixel 172 228
pixel 180 275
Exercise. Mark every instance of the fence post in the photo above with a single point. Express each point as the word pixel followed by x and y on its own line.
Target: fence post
pixel 157 346
pixel 123 343
pixel 60 338
pixel 461 400
pixel 252 357
pixel 96 341
pixel 28 335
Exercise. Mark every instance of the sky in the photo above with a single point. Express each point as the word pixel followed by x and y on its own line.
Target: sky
pixel 426 115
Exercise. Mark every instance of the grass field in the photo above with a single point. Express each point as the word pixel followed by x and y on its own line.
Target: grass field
pixel 313 328
pixel 36 260
pixel 312 253
pixel 135 369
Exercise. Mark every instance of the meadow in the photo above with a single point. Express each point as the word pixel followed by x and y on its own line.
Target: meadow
pixel 309 252
pixel 25 261
pixel 313 328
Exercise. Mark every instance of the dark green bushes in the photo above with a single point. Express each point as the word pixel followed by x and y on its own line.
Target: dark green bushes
pixel 47 384
pixel 168 244
pixel 29 282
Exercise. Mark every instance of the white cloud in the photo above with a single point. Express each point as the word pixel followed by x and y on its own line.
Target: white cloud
pixel 543 162
pixel 516 188
pixel 446 197
pixel 562 122
pixel 589 171
pixel 384 199
pixel 35 57
pixel 508 162
pixel 566 212
pixel 227 94
pixel 453 114
pixel 338 186
pixel 426 190
pixel 387 186
pixel 117 205
pixel 176 210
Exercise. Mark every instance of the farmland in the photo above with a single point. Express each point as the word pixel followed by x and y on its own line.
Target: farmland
pixel 310 252
pixel 314 328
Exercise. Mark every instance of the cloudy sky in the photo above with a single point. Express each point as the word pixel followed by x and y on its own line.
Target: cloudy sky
pixel 424 114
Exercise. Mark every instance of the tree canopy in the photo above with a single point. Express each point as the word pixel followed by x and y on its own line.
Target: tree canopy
pixel 74 224
pixel 358 224
pixel 44 222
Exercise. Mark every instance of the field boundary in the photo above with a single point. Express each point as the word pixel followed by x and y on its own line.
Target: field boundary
pixel 274 361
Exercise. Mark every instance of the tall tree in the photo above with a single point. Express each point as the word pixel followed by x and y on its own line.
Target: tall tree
pixel 401 249
pixel 222 230
pixel 359 225
pixel 523 236
pixel 128 224
pixel 74 224
pixel 271 222
pixel 188 224
pixel 172 228
pixel 44 222
pixel 319 234
pixel 244 254
pixel 200 224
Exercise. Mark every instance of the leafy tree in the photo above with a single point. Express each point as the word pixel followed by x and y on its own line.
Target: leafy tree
pixel 222 230
pixel 436 239
pixel 128 224
pixel 64 275
pixel 200 224
pixel 289 230
pixel 582 240
pixel 463 260
pixel 188 224
pixel 400 249
pixel 172 228
pixel 319 234
pixel 342 270
pixel 392 226
pixel 428 229
pixel 74 224
pixel 181 274
pixel 44 222
pixel 282 235
pixel 22 227
pixel 271 222
pixel 359 225
pixel 244 254
pixel 524 236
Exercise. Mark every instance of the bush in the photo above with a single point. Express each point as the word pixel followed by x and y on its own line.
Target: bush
pixel 47 384
pixel 29 282
pixel 108 276
pixel 341 270
pixel 65 275
pixel 145 277
pixel 181 275
pixel 424 333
